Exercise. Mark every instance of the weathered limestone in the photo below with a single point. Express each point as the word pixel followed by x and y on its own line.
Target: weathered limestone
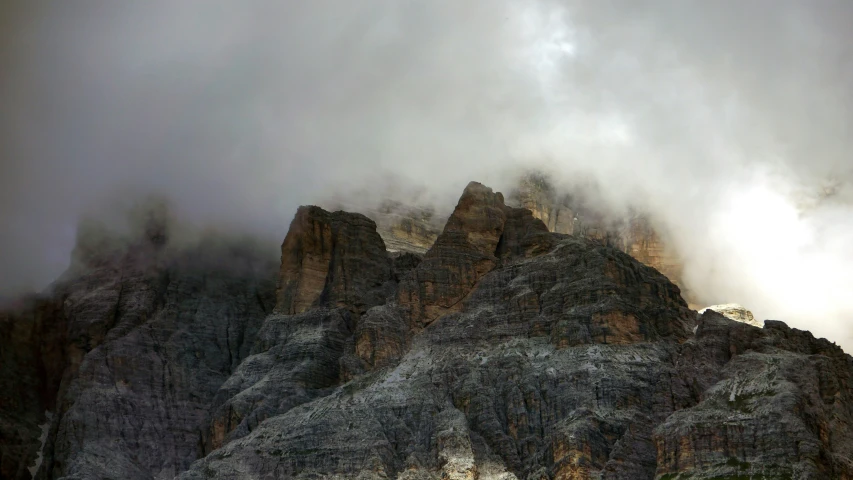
pixel 462 254
pixel 507 352
pixel 331 259
pixel 735 312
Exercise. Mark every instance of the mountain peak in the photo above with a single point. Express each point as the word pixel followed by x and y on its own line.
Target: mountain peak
pixel 504 351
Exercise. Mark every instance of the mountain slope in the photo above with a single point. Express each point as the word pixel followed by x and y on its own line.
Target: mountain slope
pixel 506 351
pixel 128 352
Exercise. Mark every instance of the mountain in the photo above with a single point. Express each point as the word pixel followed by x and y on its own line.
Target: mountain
pixel 578 214
pixel 505 351
pixel 409 228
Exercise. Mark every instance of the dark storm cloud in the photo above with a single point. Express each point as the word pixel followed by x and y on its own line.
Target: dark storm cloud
pixel 724 119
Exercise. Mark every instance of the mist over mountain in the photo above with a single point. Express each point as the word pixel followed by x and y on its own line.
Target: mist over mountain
pixel 505 351
pixel 729 123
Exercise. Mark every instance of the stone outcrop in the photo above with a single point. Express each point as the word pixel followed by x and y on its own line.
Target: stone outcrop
pixel 481 231
pixel 735 312
pixel 331 259
pixel 406 228
pixel 523 236
pixel 127 351
pixel 381 337
pixel 403 228
pixel 464 397
pixel 776 403
pixel 295 357
pixel 574 214
pixel 505 352
pixel 462 254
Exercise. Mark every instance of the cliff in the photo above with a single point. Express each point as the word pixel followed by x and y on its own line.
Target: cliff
pixel 414 229
pixel 127 351
pixel 575 214
pixel 403 228
pixel 506 351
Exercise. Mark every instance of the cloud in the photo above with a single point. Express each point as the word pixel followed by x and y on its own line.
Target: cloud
pixel 724 119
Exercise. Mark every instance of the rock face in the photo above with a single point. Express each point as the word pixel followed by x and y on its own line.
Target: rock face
pixel 776 404
pixel 406 229
pixel 403 228
pixel 574 215
pixel 32 358
pixel 505 352
pixel 127 352
pixel 462 254
pixel 500 385
pixel 735 312
pixel 334 259
pixel 413 229
pixel 480 232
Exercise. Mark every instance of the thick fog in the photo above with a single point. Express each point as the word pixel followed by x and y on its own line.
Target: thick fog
pixel 729 121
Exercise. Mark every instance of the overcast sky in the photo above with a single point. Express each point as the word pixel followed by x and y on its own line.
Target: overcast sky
pixel 725 119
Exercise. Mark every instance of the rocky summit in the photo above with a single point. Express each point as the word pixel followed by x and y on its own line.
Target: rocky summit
pixel 505 351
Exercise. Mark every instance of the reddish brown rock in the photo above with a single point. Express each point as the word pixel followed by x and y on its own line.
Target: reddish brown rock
pixel 644 243
pixel 524 235
pixel 462 254
pixel 579 449
pixel 617 327
pixel 480 233
pixel 332 259
pixel 576 215
pixel 563 358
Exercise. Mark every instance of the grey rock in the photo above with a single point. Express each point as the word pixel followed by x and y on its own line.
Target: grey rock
pixel 294 359
pixel 332 259
pixel 129 348
pixel 561 357
pixel 539 362
pixel 735 312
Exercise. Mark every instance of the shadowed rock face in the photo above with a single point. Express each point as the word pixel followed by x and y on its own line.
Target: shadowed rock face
pixel 331 259
pixel 32 360
pixel 574 215
pixel 462 254
pixel 776 403
pixel 294 360
pixel 480 233
pixel 506 352
pixel 127 352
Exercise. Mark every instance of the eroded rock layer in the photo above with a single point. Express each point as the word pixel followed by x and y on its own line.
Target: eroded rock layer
pixel 506 351
pixel 574 214
pixel 462 254
pixel 331 259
